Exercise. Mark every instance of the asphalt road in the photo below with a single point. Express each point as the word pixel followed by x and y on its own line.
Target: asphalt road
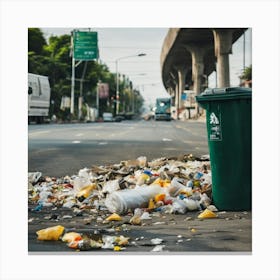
pixel 64 149
pixel 182 234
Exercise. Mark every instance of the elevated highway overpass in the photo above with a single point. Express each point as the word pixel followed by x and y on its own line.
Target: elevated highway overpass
pixel 190 55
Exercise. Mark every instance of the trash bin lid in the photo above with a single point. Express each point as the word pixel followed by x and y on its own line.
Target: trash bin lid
pixel 227 93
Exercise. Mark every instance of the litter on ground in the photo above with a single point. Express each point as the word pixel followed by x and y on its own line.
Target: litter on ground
pixel 138 188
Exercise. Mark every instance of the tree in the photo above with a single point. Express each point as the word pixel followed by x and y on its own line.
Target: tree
pixel 36 41
pixel 53 59
pixel 247 73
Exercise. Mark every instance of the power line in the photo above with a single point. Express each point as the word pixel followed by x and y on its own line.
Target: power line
pixel 138 62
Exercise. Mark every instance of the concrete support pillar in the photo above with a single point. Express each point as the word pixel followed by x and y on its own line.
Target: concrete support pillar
pixel 177 100
pixel 223 47
pixel 170 91
pixel 181 84
pixel 172 94
pixel 197 69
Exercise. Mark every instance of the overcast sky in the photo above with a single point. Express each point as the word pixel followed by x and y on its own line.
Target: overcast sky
pixel 144 71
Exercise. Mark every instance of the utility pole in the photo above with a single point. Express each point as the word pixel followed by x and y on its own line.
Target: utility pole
pixel 81 90
pixel 117 78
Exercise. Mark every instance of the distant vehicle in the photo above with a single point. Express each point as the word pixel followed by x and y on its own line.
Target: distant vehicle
pixel 119 118
pixel 108 117
pixel 163 109
pixel 39 93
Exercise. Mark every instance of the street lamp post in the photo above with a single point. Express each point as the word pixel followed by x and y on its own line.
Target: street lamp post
pixel 117 78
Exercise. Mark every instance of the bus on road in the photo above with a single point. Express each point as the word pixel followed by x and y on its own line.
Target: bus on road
pixel 163 109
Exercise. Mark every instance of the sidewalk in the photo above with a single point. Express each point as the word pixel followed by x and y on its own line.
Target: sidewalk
pixel 201 119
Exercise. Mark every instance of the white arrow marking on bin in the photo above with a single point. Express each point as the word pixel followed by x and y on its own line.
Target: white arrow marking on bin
pixel 214 119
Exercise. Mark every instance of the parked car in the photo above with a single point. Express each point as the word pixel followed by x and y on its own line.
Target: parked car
pixel 107 117
pixel 119 118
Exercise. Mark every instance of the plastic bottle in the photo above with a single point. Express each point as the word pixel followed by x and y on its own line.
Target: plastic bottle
pixel 81 181
pixel 190 184
pixel 121 201
pixel 142 161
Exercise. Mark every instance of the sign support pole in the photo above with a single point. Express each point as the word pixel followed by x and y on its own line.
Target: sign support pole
pixel 97 100
pixel 84 48
pixel 73 75
pixel 72 86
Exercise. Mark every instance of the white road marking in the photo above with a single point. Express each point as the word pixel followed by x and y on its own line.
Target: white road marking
pixel 79 134
pixel 102 143
pixel 166 140
pixel 76 142
pixel 39 132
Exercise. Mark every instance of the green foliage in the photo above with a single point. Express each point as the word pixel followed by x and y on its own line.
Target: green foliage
pixel 247 73
pixel 53 59
pixel 36 40
pixel 59 48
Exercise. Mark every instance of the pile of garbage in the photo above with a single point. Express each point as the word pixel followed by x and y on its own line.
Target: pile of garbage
pixel 168 185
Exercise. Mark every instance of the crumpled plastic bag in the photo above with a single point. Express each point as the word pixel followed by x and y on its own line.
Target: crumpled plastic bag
pixel 191 204
pixel 179 206
pixel 51 233
pixel 71 236
pixel 158 248
pixel 33 177
pixel 111 186
pixel 177 187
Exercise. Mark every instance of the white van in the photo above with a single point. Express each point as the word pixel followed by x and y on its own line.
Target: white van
pixel 39 93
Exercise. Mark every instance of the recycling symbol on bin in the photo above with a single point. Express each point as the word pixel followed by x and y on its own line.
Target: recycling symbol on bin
pixel 215 128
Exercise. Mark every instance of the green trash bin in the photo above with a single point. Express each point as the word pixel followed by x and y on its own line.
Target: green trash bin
pixel 229 127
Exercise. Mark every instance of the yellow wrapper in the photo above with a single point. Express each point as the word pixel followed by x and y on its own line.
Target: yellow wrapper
pixel 160 197
pixel 114 217
pixel 51 233
pixel 151 204
pixel 86 191
pixel 206 214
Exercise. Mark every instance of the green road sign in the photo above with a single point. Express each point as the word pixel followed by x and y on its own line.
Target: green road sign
pixel 85 45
